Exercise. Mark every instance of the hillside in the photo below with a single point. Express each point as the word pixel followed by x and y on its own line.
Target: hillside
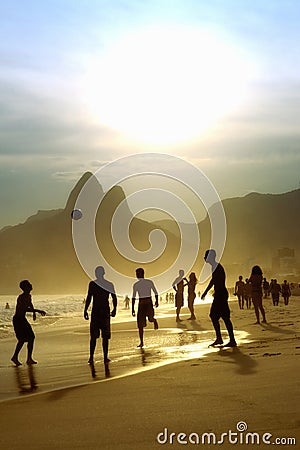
pixel 41 249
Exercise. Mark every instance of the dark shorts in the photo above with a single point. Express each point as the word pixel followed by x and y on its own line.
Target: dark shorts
pixel 23 330
pixel 219 308
pixel 145 311
pixel 100 323
pixel 178 300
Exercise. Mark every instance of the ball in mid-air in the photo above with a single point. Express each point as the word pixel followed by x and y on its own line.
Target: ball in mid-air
pixel 76 214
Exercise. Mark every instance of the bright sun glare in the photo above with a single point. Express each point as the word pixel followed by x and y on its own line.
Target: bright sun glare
pixel 165 85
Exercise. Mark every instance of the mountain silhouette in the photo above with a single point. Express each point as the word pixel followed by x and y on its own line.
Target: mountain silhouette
pixel 42 250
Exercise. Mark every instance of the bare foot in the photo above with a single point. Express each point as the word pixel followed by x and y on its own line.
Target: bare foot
pixel 217 342
pixel 155 324
pixel 30 362
pixel 231 344
pixel 141 345
pixel 16 361
pixel 106 361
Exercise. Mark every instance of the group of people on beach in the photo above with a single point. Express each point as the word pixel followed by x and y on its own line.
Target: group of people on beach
pixel 98 294
pixel 100 289
pixel 243 291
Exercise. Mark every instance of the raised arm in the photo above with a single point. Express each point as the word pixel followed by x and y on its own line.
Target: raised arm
pixel 133 301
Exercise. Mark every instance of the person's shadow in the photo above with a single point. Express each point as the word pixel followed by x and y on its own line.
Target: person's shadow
pixel 245 365
pixel 26 379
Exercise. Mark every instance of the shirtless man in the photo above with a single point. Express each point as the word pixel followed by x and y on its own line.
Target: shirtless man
pixel 144 287
pixel 219 308
pixel 99 290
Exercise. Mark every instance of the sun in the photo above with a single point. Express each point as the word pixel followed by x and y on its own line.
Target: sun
pixel 164 85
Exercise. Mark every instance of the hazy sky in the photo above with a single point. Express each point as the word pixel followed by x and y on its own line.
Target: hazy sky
pixel 84 82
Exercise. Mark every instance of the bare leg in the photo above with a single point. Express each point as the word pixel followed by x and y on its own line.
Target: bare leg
pixel 29 352
pixel 141 334
pixel 14 358
pixel 261 308
pixel 105 349
pixel 92 350
pixel 217 328
pixel 256 313
pixel 177 314
pixel 229 327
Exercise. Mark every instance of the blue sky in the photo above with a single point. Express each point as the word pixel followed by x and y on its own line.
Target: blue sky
pixel 52 81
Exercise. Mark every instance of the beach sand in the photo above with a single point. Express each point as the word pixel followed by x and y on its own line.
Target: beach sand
pixel 175 385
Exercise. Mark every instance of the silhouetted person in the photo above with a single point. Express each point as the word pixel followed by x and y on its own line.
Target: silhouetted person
pixel 7 306
pixel 219 308
pixel 22 327
pixel 256 279
pixel 192 294
pixel 167 297
pixel 266 287
pixel 127 302
pixel 247 293
pixel 99 290
pixel 178 286
pixel 239 291
pixel 286 292
pixel 144 288
pixel 275 290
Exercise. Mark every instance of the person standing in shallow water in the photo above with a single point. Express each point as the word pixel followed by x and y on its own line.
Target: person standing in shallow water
pixel 144 288
pixel 256 280
pixel 99 290
pixel 219 308
pixel 22 327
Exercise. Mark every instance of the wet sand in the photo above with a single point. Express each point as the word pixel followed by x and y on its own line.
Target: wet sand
pixel 175 382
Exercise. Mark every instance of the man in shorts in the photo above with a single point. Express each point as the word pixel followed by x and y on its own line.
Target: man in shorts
pixel 99 290
pixel 144 287
pixel 219 308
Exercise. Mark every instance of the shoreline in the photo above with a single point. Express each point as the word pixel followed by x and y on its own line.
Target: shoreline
pixel 201 390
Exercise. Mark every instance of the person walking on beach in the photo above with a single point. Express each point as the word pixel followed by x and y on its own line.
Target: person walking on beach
pixel 127 302
pixel 192 294
pixel 22 327
pixel 239 291
pixel 99 290
pixel 286 292
pixel 266 288
pixel 256 279
pixel 144 288
pixel 178 286
pixel 219 308
pixel 247 293
pixel 275 290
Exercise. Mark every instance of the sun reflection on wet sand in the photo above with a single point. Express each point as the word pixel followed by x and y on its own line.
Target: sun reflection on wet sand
pixel 163 347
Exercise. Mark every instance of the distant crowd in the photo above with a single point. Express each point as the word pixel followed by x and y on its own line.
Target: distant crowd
pixel 243 291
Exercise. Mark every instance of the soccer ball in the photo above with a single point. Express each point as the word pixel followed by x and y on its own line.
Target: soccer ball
pixel 76 214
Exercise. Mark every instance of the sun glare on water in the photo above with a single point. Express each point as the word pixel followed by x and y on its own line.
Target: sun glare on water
pixel 166 85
